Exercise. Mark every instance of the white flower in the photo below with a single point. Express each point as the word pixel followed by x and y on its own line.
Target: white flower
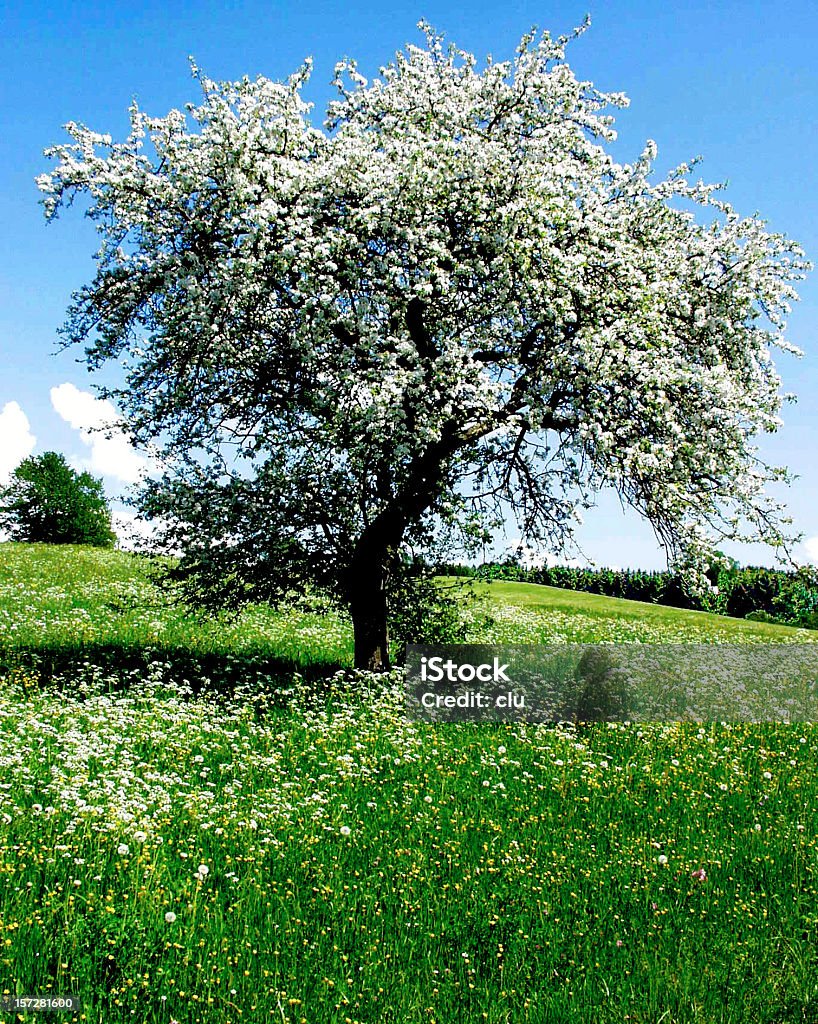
pixel 139 837
pixel 203 870
pixel 501 750
pixel 768 775
pixel 170 917
pixel 123 849
pixel 427 799
pixel 345 830
pixel 661 859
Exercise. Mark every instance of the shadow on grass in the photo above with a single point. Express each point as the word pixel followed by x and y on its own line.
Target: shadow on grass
pixel 119 666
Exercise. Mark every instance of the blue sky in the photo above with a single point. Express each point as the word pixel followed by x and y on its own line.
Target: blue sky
pixel 736 82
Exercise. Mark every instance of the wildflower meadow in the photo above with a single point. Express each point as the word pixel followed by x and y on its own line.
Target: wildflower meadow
pixel 219 821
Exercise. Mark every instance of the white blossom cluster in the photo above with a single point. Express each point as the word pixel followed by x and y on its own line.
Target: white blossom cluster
pixel 450 289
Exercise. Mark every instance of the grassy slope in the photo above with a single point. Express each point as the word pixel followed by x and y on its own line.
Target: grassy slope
pixel 64 597
pixel 551 599
pixel 365 869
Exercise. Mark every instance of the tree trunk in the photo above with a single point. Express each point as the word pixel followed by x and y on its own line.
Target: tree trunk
pixel 369 610
pixel 366 589
pixel 367 575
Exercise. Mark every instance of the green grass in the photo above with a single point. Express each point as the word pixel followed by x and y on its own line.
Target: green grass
pixel 365 868
pixel 80 598
pixel 76 599
pixel 635 615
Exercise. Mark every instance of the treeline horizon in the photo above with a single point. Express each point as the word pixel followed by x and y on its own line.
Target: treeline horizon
pixel 786 597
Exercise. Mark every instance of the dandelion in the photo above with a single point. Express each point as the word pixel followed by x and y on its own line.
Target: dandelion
pixel 661 859
pixel 345 830
pixel 501 750
pixel 700 875
pixel 768 775
pixel 427 799
pixel 757 827
pixel 123 849
pixel 170 917
pixel 139 837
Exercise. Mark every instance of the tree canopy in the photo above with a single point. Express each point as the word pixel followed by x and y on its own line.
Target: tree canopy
pixel 49 502
pixel 447 303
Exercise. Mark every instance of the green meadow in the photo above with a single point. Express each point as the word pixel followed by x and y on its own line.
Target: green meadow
pixel 218 821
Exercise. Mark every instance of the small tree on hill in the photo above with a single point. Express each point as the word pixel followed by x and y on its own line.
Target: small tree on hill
pixel 49 502
pixel 449 303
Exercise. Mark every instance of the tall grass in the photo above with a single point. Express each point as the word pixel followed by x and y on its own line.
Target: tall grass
pixel 181 852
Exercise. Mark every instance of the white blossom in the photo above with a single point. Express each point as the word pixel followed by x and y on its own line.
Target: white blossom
pixel 448 302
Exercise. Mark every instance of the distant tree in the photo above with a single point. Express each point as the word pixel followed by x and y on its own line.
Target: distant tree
pixel 49 502
pixel 449 303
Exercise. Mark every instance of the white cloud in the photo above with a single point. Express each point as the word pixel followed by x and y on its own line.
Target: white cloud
pixel 811 547
pixel 129 530
pixel 111 453
pixel 16 440
pixel 535 558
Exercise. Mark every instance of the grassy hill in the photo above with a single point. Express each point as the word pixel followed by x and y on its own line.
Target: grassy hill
pixel 65 597
pixel 170 856
pixel 571 616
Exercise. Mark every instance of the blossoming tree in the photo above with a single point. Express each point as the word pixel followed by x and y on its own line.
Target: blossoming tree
pixel 447 303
